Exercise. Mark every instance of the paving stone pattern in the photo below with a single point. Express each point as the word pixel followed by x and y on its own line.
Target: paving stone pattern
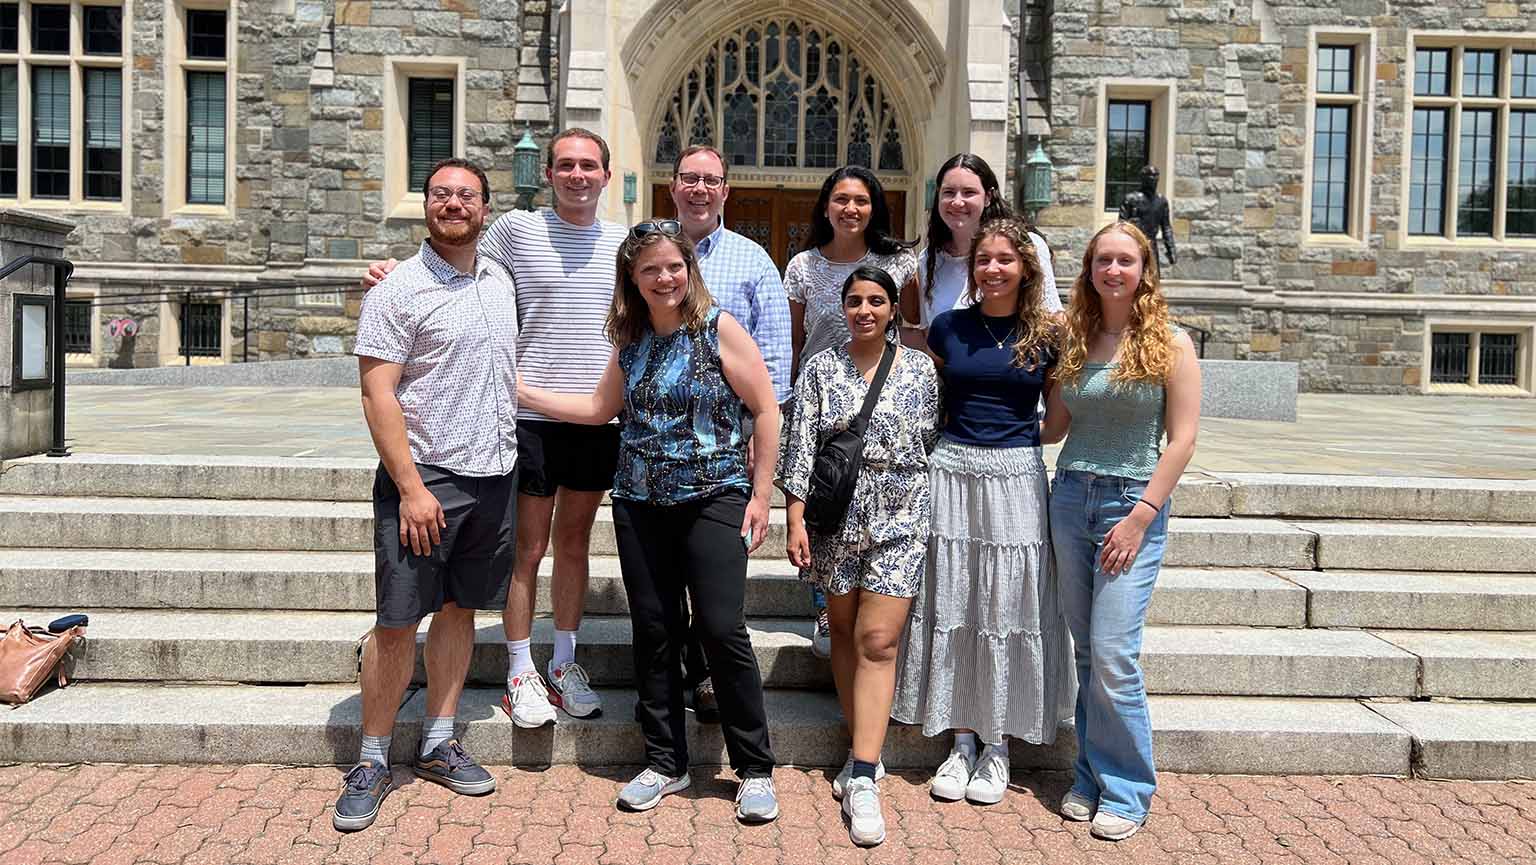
pixel 258 814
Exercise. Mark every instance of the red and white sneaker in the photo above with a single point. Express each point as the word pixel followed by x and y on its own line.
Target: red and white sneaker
pixel 571 690
pixel 528 701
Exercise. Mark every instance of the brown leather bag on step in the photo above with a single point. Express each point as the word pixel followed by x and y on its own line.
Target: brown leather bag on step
pixel 28 656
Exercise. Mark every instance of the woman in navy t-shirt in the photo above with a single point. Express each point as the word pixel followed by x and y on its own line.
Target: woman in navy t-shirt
pixel 985 652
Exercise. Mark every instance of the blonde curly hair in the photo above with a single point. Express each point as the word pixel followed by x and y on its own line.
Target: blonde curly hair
pixel 1036 328
pixel 1146 351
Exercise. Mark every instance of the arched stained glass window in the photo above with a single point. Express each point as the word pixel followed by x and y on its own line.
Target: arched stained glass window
pixel 782 92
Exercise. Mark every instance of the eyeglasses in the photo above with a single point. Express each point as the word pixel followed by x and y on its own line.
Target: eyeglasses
pixel 710 181
pixel 664 227
pixel 465 194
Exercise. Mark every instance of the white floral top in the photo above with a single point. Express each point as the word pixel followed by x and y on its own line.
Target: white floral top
pixel 817 284
pixel 890 499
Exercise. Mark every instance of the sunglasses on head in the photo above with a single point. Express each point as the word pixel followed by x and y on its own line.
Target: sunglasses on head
pixel 664 227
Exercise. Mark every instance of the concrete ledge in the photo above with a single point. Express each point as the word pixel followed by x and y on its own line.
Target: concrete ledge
pixel 1475 741
pixel 1389 599
pixel 1438 547
pixel 1237 543
pixel 1226 597
pixel 1288 662
pixel 192 477
pixel 1379 498
pixel 321 725
pixel 1248 389
pixel 1471 664
pixel 316 372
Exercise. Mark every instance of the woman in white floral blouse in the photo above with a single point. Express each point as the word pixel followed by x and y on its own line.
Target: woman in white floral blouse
pixel 871 568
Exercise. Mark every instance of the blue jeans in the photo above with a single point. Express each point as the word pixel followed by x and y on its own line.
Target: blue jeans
pixel 1106 615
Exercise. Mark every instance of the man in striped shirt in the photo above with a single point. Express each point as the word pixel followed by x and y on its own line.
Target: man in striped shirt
pixel 562 264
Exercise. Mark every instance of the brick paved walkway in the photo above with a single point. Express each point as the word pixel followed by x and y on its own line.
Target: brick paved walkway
pixel 262 814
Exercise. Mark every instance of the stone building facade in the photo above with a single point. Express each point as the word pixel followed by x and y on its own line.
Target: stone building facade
pixel 1352 183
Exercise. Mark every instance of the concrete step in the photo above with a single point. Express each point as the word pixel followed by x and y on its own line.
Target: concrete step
pixel 1476 741
pixel 320 725
pixel 313 647
pixel 332 479
pixel 1471 664
pixel 1420 601
pixel 216 580
pixel 1379 498
pixel 1279 662
pixel 1424 546
pixel 211 524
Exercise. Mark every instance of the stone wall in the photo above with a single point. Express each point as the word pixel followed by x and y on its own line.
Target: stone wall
pixel 308 204
pixel 1241 72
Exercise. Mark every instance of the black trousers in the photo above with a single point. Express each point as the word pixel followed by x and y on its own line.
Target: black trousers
pixel 664 549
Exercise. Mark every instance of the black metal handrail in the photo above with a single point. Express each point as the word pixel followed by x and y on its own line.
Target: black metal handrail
pixel 1204 334
pixel 61 273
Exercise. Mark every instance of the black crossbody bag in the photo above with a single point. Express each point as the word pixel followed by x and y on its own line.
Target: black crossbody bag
pixel 835 472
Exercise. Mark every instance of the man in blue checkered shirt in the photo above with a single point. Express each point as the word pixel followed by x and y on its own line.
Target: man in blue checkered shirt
pixel 746 283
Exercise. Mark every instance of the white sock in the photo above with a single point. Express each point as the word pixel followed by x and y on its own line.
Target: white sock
pixel 375 750
pixel 434 732
pixel 966 742
pixel 565 650
pixel 519 658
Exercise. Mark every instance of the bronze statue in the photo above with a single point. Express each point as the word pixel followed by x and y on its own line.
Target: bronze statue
pixel 1150 213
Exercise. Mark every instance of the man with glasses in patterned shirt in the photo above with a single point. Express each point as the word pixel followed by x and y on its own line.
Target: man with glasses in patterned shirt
pixel 744 282
pixel 437 348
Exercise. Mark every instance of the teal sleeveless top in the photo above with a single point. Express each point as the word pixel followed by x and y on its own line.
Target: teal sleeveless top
pixel 1117 427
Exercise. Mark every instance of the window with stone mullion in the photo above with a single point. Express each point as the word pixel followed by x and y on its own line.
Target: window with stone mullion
pixel 1520 184
pixel 1475 172
pixel 1128 144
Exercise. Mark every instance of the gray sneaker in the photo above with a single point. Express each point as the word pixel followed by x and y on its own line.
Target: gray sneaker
pixel 362 794
pixel 756 802
pixel 840 783
pixel 448 765
pixel 646 790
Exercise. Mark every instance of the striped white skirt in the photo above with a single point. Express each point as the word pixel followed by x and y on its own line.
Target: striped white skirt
pixel 986 647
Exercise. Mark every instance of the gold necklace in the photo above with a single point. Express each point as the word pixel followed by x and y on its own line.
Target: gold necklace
pixel 993 335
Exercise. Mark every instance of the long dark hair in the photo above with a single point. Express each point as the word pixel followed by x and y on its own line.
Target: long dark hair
pixel 939 234
pixel 879 276
pixel 878 235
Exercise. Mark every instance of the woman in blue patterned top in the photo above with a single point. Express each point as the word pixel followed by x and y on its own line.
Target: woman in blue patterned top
pixel 685 510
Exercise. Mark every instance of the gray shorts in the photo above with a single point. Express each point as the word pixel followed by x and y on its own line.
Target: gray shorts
pixel 472 565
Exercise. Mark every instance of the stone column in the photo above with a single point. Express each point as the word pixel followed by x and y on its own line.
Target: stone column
pixel 26 416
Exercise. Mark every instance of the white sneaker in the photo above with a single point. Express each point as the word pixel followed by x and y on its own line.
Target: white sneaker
pixel 1112 827
pixel 990 780
pixel 866 822
pixel 840 783
pixel 954 774
pixel 1078 809
pixel 526 701
pixel 821 635
pixel 571 690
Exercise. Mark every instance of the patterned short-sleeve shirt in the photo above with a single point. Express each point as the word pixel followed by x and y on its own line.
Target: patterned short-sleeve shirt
pixel 455 334
pixel 817 283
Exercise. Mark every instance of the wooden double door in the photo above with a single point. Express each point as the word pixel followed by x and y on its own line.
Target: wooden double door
pixel 778 219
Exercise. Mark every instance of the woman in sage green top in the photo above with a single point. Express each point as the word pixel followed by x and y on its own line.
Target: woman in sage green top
pixel 1125 379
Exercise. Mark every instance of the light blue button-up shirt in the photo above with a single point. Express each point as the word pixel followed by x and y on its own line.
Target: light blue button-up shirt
pixel 745 282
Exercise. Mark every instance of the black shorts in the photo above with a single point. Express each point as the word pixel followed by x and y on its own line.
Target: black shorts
pixel 579 457
pixel 472 565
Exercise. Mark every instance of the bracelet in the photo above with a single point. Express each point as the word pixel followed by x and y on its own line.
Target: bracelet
pixel 1154 508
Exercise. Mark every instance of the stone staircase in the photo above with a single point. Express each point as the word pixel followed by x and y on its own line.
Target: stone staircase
pixel 1304 624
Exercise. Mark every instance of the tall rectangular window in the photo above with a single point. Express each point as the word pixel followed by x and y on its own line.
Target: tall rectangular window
pixel 1331 146
pixel 50 132
pixel 64 94
pixel 207 31
pixel 10 123
pixel 205 137
pixel 104 134
pixel 429 127
pixel 1128 149
pixel 1426 186
pixel 1520 193
pixel 1522 75
pixel 1474 176
pixel 50 29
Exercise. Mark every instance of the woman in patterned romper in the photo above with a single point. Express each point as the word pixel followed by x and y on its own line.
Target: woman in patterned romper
pixel 870 569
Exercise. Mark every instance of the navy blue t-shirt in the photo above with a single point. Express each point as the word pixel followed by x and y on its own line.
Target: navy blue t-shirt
pixel 988 401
